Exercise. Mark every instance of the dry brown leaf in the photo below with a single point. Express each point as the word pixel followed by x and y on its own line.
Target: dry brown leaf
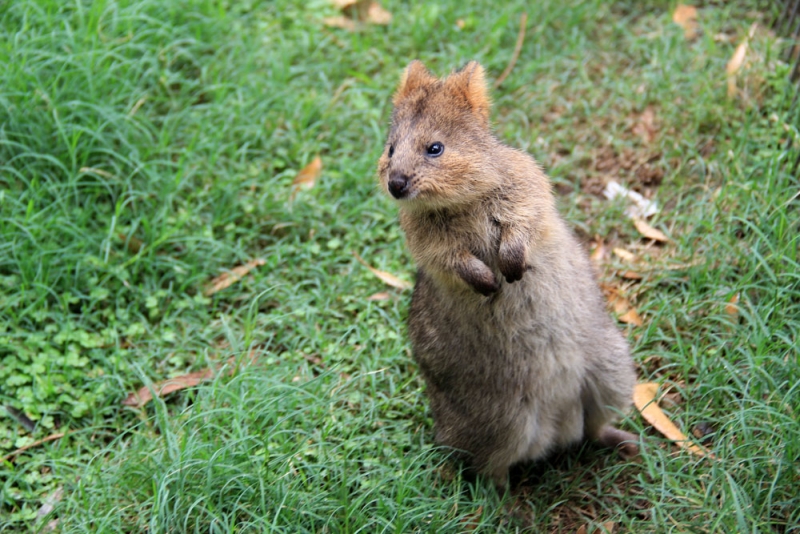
pixel 648 231
pixel 631 275
pixel 622 307
pixel 314 360
pixel 624 254
pixel 734 65
pixel 134 243
pixel 226 279
pixel 645 126
pixel 737 60
pixel 631 317
pixel 644 396
pixel 471 522
pixel 732 307
pixel 307 176
pixel 599 252
pixel 685 16
pixel 356 12
pixel 339 22
pixel 379 296
pixel 376 14
pixel 145 395
pixel 51 437
pixel 609 527
pixel 581 530
pixel 388 278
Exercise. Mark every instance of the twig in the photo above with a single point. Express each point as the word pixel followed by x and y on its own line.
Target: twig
pixel 19 451
pixel 21 418
pixel 517 49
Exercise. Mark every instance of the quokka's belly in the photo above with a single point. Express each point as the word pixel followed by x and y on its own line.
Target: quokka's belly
pixel 505 388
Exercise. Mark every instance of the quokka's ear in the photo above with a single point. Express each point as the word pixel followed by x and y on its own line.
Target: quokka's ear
pixel 469 83
pixel 415 76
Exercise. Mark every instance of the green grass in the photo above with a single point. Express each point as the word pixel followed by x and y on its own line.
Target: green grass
pixel 147 146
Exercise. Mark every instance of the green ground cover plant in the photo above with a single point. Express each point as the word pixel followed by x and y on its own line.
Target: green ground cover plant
pixel 146 147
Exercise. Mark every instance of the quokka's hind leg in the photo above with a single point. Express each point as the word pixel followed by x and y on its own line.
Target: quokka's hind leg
pixel 603 395
pixel 626 443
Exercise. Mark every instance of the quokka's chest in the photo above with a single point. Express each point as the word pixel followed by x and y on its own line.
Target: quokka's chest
pixel 477 231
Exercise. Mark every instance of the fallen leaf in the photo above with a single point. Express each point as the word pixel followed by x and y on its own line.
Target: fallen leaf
pixel 376 14
pixel 644 396
pixel 631 317
pixel 134 243
pixel 685 16
pixel 737 60
pixel 599 252
pixel 388 278
pixel 50 503
pixel 356 12
pixel 645 127
pixel 51 437
pixel 621 306
pixel 471 522
pixel 732 308
pixel 624 254
pixel 631 275
pixel 226 279
pixel 648 231
pixel 379 296
pixel 734 65
pixel 339 22
pixel 307 176
pixel 314 359
pixel 145 394
pixel 609 527
pixel 581 530
pixel 702 429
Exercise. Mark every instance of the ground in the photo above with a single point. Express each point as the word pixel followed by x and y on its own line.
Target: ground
pixel 147 147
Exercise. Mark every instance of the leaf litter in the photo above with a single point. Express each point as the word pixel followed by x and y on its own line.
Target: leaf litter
pixel 145 394
pixel 357 13
pixel 229 278
pixel 737 60
pixel 648 231
pixel 685 16
pixel 644 398
pixel 387 278
pixel 307 177
pixel 622 307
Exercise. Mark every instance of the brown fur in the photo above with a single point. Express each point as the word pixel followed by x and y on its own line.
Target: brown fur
pixel 506 321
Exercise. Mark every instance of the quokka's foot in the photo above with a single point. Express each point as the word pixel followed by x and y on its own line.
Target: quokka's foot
pixel 624 442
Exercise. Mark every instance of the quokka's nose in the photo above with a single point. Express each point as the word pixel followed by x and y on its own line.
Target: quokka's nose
pixel 398 185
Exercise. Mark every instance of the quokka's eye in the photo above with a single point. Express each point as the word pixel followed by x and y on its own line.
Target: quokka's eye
pixel 391 150
pixel 435 149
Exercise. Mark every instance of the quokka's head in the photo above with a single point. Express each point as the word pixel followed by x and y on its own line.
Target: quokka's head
pixel 439 150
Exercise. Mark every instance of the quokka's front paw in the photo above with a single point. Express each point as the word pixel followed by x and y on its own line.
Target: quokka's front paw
pixel 479 276
pixel 512 262
pixel 486 286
